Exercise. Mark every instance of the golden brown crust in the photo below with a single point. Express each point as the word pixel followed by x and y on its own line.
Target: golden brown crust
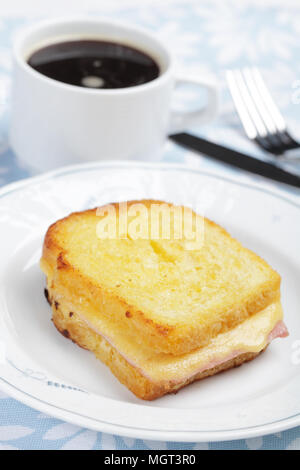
pixel 161 336
pixel 126 373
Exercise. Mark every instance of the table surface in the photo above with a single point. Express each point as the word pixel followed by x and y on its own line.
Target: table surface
pixel 208 37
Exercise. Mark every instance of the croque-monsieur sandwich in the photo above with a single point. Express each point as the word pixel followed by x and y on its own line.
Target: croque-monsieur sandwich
pixel 160 309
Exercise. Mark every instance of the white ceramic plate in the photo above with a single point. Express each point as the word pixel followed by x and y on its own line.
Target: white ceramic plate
pixel 47 372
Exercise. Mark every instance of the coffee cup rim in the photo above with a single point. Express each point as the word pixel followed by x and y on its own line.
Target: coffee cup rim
pixel 31 29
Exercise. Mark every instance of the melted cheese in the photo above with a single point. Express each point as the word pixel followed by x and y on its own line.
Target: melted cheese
pixel 250 336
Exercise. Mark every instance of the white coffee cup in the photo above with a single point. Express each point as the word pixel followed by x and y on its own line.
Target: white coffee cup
pixel 55 124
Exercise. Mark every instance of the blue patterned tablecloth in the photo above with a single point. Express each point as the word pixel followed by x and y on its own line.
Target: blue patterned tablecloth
pixel 207 37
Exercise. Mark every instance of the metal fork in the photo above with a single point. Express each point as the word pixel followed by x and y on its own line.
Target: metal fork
pixel 260 116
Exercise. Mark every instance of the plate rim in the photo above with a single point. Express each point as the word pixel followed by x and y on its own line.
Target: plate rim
pixel 259 185
pixel 167 435
pixel 137 433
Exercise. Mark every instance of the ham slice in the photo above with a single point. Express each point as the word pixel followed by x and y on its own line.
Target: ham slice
pixel 279 331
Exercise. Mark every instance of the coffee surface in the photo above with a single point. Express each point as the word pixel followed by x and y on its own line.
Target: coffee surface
pixel 94 64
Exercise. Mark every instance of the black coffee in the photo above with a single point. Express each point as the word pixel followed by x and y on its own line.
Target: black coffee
pixel 95 64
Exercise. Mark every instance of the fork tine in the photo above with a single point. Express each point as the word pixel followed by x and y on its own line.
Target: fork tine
pixel 252 122
pixel 256 93
pixel 240 105
pixel 268 100
pixel 249 103
pixel 245 103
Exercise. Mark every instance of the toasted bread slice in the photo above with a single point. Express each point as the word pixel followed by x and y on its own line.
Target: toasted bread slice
pixel 172 294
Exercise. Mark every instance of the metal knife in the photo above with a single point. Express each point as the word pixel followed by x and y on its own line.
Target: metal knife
pixel 236 159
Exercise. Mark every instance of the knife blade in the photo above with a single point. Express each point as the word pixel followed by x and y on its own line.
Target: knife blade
pixel 236 159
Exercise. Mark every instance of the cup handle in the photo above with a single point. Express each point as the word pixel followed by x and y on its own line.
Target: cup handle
pixel 180 121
